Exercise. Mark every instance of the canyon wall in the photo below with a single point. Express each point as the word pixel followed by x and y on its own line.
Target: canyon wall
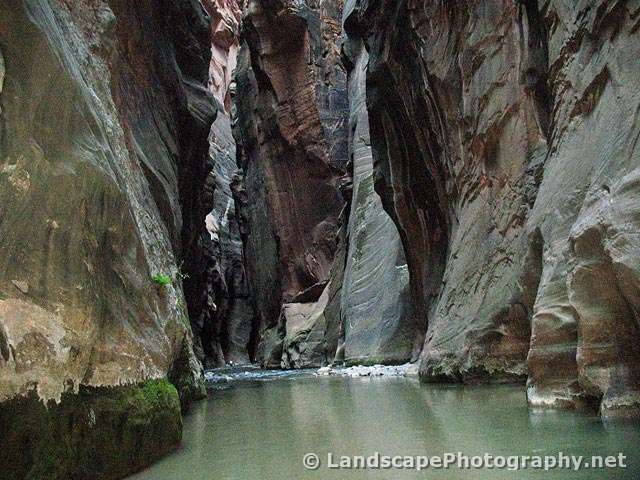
pixel 103 162
pixel 584 224
pixel 456 134
pixel 291 101
pixel 376 312
pixel 225 329
pixel 476 211
pixel 452 183
pixel 324 260
pixel 504 138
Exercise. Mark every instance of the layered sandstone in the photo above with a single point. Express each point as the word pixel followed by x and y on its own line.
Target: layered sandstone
pixel 584 224
pixel 224 328
pixel 225 44
pixel 324 259
pixel 378 324
pixel 455 130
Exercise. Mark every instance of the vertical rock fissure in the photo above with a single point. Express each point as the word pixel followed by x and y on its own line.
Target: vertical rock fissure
pixel 535 70
pixel 225 325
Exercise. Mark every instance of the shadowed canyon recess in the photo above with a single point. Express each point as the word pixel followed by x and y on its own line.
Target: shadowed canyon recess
pixel 191 186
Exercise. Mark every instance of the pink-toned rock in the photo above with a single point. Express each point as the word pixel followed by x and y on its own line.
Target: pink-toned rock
pixel 225 43
pixel 291 102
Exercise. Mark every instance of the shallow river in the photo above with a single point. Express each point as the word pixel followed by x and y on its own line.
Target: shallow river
pixel 261 428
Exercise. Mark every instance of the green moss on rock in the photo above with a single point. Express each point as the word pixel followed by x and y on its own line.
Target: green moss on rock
pixel 186 374
pixel 99 433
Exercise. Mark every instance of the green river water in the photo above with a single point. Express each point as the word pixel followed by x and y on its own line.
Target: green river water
pixel 261 429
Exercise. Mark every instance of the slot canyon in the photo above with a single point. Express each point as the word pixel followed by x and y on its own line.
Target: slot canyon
pixel 236 231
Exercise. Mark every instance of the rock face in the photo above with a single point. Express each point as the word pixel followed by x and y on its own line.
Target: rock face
pixel 225 326
pixel 324 259
pixel 167 113
pixel 456 131
pixel 113 432
pixel 225 43
pixel 291 102
pixel 226 331
pixel 375 309
pixel 453 183
pixel 584 224
pixel 505 143
pixel 103 161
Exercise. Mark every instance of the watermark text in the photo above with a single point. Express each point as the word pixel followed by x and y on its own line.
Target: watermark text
pixel 462 461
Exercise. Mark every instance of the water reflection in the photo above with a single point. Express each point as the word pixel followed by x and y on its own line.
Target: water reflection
pixel 261 430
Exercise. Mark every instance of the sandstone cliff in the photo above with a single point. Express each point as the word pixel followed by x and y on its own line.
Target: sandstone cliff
pixel 504 137
pixel 225 327
pixel 377 317
pixel 291 100
pixel 103 160
pixel 506 174
pixel 323 258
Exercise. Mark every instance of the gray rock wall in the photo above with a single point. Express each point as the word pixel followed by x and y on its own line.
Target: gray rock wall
pixel 226 329
pixel 504 141
pixel 585 218
pixel 454 134
pixel 375 308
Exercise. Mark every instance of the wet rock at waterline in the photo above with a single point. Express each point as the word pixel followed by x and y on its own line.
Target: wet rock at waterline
pixel 99 433
pixel 105 117
pixel 408 369
pixel 505 143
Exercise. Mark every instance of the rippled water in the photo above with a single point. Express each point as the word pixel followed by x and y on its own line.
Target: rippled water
pixel 259 426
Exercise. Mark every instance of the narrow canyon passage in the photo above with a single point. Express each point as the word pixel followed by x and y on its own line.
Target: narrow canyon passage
pixel 234 232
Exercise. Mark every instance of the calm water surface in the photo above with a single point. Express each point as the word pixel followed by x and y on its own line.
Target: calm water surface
pixel 262 429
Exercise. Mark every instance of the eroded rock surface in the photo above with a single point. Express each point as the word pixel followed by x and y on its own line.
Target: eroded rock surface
pixel 225 327
pixel 505 147
pixel 226 330
pixel 103 148
pixel 328 270
pixel 104 433
pixel 225 43
pixel 375 309
pixel 585 323
pixel 456 132
pixel 292 116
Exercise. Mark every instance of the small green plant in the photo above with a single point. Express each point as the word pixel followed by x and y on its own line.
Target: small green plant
pixel 161 279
